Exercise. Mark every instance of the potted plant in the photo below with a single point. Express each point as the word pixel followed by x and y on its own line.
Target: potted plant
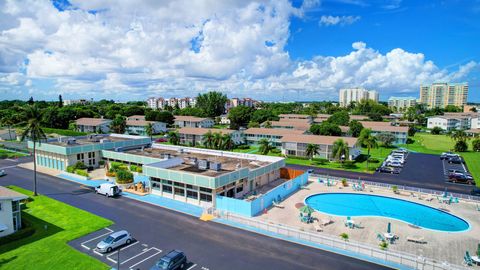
pixel 383 245
pixel 344 182
pixel 395 189
pixel 344 237
pixel 124 178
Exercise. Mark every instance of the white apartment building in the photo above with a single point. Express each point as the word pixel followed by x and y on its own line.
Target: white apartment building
pixel 161 103
pixel 296 145
pixel 401 104
pixel 193 121
pixel 439 95
pixel 10 211
pixel 235 102
pixel 349 95
pixel 454 121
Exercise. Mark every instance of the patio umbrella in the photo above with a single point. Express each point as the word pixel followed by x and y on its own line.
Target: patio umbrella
pixel 307 210
pixel 445 193
pixel 389 227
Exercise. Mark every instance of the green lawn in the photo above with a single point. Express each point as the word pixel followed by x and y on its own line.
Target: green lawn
pixel 63 132
pixel 251 150
pixel 219 126
pixel 9 154
pixel 47 248
pixel 359 166
pixel 436 144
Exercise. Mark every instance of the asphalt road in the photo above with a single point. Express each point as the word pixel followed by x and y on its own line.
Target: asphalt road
pixel 421 170
pixel 209 244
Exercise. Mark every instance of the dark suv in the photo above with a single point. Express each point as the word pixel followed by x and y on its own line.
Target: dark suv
pixel 461 178
pixel 175 259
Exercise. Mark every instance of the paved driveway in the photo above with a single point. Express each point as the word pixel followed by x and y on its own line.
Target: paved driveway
pixel 208 245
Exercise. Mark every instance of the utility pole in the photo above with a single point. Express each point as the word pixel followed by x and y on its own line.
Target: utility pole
pixel 118 258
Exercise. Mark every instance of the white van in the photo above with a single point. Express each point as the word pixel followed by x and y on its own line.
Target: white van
pixel 109 190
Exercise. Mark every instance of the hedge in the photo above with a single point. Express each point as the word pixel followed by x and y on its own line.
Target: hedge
pixel 124 177
pixel 81 172
pixel 64 132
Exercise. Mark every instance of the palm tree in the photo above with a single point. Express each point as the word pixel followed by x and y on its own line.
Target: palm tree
pixel 217 140
pixel 173 138
pixel 265 146
pixel 227 142
pixel 207 139
pixel 312 150
pixel 340 150
pixel 33 132
pixel 7 120
pixel 370 142
pixel 149 130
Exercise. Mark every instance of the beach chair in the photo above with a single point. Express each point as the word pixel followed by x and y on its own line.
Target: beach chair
pixel 416 239
pixel 277 204
pixel 467 260
pixel 317 226
pixel 429 198
pixel 358 226
pixel 380 237
pixel 326 221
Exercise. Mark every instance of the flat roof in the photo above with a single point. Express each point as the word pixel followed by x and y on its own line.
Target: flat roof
pixel 6 193
pixel 294 124
pixel 318 139
pixel 229 163
pixel 90 139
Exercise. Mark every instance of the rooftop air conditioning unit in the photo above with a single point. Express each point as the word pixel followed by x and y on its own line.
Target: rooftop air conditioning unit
pixel 203 164
pixel 71 141
pixel 216 166
pixel 104 140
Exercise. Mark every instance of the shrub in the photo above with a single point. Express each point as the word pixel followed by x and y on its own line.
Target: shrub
pixel 124 177
pixel 344 236
pixel 476 145
pixel 461 146
pixel 115 165
pixel 395 189
pixel 436 130
pixel 373 160
pixel 71 169
pixel 111 174
pixel 321 161
pixel 344 182
pixel 133 168
pixel 139 169
pixel 243 146
pixel 80 165
pixel 101 162
pixel 81 172
pixel 276 151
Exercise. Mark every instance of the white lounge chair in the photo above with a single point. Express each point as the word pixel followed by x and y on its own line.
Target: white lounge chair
pixel 278 205
pixel 326 221
pixel 317 226
pixel 416 239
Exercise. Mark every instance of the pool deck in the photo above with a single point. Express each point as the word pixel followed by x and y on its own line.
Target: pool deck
pixel 441 246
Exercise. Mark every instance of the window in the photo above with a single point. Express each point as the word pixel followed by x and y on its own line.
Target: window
pixel 179 184
pixel 205 197
pixel 205 190
pixel 239 188
pixel 167 189
pixel 179 191
pixel 192 194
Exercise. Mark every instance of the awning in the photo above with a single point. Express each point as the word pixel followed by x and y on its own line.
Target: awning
pixel 3 227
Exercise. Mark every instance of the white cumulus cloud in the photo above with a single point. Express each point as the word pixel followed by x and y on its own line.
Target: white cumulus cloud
pixel 338 20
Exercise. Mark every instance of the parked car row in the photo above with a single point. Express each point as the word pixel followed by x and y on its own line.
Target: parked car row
pixel 455 170
pixel 173 260
pixel 394 161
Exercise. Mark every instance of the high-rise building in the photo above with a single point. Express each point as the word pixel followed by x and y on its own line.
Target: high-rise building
pixel 443 94
pixel 400 104
pixel 349 95
pixel 161 103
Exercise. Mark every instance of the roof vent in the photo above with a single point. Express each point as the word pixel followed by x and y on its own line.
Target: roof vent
pixel 203 164
pixel 216 166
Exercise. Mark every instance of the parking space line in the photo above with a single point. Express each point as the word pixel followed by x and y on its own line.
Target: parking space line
pixel 85 246
pixel 122 249
pixel 112 260
pixel 158 252
pixel 98 253
pixel 205 268
pixel 109 231
pixel 191 267
pixel 131 258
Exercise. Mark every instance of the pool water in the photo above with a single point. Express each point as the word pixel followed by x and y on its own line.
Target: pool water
pixel 354 204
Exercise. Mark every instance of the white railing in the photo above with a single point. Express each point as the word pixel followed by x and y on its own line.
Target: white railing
pixel 360 249
pixel 400 187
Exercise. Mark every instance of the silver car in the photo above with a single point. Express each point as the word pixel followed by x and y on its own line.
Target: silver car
pixel 2 173
pixel 113 241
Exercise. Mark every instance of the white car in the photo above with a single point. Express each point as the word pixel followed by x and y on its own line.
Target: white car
pixel 113 241
pixel 109 190
pixel 2 173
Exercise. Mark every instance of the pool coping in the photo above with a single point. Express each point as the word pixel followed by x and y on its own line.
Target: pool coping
pixel 384 217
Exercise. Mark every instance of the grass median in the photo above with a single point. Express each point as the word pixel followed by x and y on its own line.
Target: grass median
pixel 55 224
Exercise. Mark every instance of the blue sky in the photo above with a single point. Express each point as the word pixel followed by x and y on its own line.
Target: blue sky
pixel 277 50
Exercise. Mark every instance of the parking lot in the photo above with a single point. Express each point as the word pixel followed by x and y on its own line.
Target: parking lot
pixel 137 255
pixel 448 167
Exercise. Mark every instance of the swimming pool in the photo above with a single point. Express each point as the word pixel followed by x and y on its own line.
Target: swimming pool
pixel 354 204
